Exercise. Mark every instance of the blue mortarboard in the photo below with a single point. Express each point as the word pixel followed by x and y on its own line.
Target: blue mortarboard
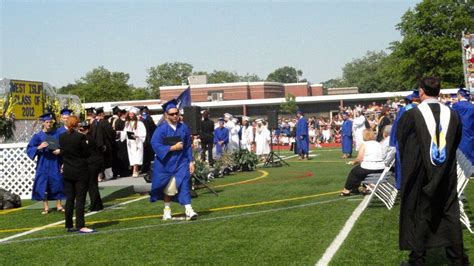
pixel 169 104
pixel 221 119
pixel 66 111
pixel 414 95
pixel 345 113
pixel 464 93
pixel 46 117
pixel 299 111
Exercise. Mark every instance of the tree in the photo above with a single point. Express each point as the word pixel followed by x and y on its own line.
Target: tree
pixel 167 74
pixel 289 106
pixel 222 76
pixel 363 72
pixel 139 94
pixel 430 46
pixel 285 74
pixel 250 78
pixel 100 85
pixel 333 83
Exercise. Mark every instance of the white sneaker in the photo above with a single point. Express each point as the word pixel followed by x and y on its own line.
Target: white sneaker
pixel 167 214
pixel 191 215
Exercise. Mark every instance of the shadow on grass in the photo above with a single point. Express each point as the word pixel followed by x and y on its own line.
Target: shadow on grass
pixel 104 224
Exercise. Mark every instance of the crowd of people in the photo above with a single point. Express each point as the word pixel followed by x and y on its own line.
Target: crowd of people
pixel 73 158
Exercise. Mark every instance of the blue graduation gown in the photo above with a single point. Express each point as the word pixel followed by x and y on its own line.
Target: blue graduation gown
pixel 48 177
pixel 171 163
pixel 60 131
pixel 346 132
pixel 302 140
pixel 394 143
pixel 465 111
pixel 221 134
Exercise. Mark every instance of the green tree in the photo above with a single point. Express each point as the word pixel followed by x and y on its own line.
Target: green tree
pixel 222 76
pixel 167 74
pixel 139 94
pixel 285 74
pixel 289 106
pixel 333 83
pixel 250 78
pixel 100 85
pixel 363 72
pixel 430 45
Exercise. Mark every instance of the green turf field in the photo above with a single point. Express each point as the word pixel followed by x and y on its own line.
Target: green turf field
pixel 282 215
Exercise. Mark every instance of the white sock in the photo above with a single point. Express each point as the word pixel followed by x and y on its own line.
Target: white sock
pixel 188 207
pixel 167 204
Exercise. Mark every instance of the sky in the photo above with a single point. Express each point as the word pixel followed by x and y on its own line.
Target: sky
pixel 60 41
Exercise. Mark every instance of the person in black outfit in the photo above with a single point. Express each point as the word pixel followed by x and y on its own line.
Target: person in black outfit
pixel 121 161
pixel 75 151
pixel 95 164
pixel 383 121
pixel 207 137
pixel 148 153
pixel 105 136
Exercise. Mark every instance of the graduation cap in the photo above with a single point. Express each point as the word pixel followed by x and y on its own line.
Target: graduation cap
pixel 90 110
pixel 414 95
pixel 170 104
pixel 142 108
pixel 66 111
pixel 117 110
pixel 464 93
pixel 227 115
pixel 46 117
pixel 299 111
pixel 99 110
pixel 133 110
pixel 221 120
pixel 245 118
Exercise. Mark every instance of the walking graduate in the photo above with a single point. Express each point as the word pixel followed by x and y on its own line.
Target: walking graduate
pixel 48 184
pixel 221 138
pixel 65 113
pixel 173 163
pixel 465 110
pixel 302 140
pixel 412 101
pixel 428 137
pixel 346 132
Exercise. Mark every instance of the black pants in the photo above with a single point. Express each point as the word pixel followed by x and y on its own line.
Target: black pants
pixel 93 187
pixel 148 156
pixel 75 195
pixel 357 175
pixel 455 254
pixel 207 146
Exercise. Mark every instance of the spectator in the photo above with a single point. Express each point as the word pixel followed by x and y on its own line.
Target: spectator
pixel 369 160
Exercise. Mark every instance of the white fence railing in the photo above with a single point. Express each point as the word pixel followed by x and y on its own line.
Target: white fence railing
pixel 17 171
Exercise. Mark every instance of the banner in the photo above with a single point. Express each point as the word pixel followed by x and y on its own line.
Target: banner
pixel 27 97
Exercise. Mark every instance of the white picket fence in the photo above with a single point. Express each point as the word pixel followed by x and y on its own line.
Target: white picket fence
pixel 17 171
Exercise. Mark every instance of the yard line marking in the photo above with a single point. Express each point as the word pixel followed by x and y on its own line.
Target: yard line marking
pixel 12 210
pixel 224 208
pixel 313 161
pixel 264 174
pixel 337 242
pixel 173 223
pixel 40 228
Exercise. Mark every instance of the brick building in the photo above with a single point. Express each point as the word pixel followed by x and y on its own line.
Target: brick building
pixel 242 91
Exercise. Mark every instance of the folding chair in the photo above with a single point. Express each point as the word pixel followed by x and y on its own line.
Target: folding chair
pixel 384 187
pixel 464 171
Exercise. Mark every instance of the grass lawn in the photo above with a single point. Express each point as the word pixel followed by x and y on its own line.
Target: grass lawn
pixel 282 215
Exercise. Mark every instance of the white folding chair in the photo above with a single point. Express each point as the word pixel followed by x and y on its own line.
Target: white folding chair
pixel 384 188
pixel 464 171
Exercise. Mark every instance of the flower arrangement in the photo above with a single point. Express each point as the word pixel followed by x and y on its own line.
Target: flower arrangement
pixel 7 118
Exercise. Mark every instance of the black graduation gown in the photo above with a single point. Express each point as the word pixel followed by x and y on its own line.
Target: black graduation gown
pixel 429 211
pixel 121 160
pixel 148 153
pixel 105 136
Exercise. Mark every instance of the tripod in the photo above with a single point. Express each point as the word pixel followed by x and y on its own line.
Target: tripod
pixel 197 179
pixel 273 159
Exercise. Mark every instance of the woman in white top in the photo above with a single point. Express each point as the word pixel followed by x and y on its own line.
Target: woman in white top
pixel 135 133
pixel 370 157
pixel 358 127
pixel 262 140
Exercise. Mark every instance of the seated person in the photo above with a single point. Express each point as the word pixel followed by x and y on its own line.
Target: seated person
pixel 371 161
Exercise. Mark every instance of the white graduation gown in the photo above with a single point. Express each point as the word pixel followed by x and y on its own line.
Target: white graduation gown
pixel 262 141
pixel 135 147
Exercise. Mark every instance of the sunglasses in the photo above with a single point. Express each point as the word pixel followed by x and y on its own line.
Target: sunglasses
pixel 173 114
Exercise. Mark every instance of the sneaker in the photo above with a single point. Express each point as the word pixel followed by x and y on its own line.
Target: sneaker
pixel 167 214
pixel 191 215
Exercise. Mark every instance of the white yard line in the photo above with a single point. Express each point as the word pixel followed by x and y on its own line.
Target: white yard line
pixel 178 222
pixel 337 242
pixel 62 221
